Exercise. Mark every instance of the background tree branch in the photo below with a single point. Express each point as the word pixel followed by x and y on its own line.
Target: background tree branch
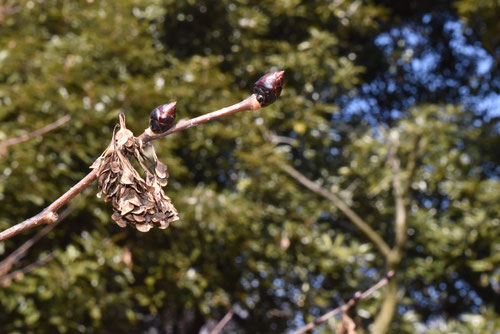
pixel 370 233
pixel 4 145
pixel 9 261
pixel 19 274
pixel 223 322
pixel 344 308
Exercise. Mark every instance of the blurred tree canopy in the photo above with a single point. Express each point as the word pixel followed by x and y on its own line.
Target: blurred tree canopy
pixel 364 78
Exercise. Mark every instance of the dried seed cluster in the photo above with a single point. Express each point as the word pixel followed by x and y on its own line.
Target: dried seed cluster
pixel 138 202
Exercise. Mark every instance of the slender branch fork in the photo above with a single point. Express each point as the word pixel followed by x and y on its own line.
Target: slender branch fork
pixel 49 214
pixel 344 308
pixel 383 247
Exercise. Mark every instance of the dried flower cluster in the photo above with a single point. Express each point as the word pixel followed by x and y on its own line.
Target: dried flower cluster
pixel 138 202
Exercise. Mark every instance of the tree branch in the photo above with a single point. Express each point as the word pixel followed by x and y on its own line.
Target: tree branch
pixel 7 263
pixel 49 214
pixel 400 228
pixel 250 103
pixel 223 322
pixel 337 202
pixel 386 314
pixel 39 132
pixel 344 308
pixel 16 275
pixel 412 161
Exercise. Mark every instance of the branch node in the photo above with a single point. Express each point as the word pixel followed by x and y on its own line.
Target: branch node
pixel 51 217
pixel 358 295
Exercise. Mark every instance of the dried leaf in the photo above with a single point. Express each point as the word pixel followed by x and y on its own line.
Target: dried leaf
pixel 143 227
pixel 126 207
pixel 123 136
pixel 127 177
pixel 161 170
pixel 139 218
pixel 115 167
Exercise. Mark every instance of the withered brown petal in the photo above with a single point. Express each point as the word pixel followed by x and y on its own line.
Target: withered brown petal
pixel 133 198
pixel 139 218
pixel 163 182
pixel 115 166
pixel 139 210
pixel 163 224
pixel 127 177
pixel 118 219
pixel 143 227
pixel 161 170
pixel 122 136
pixel 125 207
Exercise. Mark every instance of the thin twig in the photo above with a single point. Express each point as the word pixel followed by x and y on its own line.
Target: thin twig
pixel 18 274
pixel 275 139
pixel 7 263
pixel 400 228
pixel 249 103
pixel 344 308
pixel 335 200
pixel 39 132
pixel 223 322
pixel 413 160
pixel 49 214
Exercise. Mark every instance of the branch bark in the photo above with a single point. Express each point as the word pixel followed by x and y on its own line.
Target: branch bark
pixel 223 322
pixel 337 202
pixel 39 132
pixel 400 193
pixel 49 214
pixel 7 263
pixel 18 274
pixel 344 308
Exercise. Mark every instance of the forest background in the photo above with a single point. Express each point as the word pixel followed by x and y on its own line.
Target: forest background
pixel 382 153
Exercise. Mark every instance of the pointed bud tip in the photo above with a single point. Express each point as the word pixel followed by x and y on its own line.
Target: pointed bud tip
pixel 268 87
pixel 168 108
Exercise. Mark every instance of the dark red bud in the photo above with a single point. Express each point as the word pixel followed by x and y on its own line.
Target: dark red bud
pixel 268 88
pixel 162 117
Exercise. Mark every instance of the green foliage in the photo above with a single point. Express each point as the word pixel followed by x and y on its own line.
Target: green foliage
pixel 249 235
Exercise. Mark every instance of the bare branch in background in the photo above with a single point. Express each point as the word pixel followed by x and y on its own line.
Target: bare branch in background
pixel 19 274
pixel 344 308
pixel 17 140
pixel 400 218
pixel 337 202
pixel 223 322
